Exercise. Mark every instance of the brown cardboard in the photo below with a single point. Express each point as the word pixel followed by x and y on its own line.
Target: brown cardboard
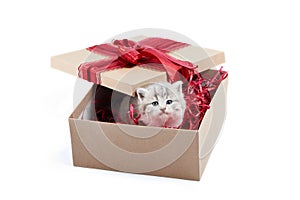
pixel 126 80
pixel 135 149
pixel 147 150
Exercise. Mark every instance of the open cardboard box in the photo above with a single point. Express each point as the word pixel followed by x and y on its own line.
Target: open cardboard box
pixel 156 151
pixel 167 152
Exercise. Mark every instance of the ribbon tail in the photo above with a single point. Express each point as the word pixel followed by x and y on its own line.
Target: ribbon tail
pixel 104 49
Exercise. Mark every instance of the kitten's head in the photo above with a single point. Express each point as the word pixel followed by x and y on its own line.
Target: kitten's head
pixel 161 104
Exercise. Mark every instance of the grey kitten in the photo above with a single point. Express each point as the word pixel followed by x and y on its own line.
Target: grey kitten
pixel 161 104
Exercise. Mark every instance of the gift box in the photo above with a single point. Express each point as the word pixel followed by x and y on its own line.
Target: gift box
pixel 160 151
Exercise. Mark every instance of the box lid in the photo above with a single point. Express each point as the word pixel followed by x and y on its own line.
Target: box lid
pixel 126 80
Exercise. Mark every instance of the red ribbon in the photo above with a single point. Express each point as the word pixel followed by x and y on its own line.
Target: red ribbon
pixel 127 53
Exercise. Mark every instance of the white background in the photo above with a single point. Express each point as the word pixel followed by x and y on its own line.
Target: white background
pixel 257 156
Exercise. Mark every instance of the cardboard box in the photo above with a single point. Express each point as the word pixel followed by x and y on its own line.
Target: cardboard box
pixel 167 152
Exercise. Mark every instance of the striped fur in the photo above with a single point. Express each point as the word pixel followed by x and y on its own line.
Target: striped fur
pixel 161 104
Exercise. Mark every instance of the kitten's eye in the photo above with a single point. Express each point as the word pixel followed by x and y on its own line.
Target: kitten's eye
pixel 155 103
pixel 169 102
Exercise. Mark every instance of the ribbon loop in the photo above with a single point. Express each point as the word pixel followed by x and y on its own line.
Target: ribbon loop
pixel 128 51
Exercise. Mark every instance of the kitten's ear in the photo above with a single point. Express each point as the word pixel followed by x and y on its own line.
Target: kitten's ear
pixel 141 93
pixel 177 86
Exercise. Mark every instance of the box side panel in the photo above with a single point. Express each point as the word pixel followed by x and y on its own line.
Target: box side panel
pixel 81 157
pixel 203 163
pixel 212 124
pixel 90 149
pixel 186 167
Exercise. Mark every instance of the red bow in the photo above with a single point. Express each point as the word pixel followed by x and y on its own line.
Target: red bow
pixel 153 53
pixel 127 53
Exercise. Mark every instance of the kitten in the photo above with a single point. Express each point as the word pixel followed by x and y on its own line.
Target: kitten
pixel 161 104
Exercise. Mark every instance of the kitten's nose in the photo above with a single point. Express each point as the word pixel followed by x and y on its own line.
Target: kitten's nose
pixel 163 109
